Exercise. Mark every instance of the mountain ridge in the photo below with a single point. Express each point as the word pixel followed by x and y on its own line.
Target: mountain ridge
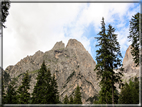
pixel 71 65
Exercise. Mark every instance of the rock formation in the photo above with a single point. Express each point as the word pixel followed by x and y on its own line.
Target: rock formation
pixel 59 45
pixel 71 65
pixel 130 69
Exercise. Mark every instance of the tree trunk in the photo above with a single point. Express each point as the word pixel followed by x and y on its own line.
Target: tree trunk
pixel 112 92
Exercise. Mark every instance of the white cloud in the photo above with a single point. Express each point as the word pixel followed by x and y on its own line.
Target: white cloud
pixel 33 27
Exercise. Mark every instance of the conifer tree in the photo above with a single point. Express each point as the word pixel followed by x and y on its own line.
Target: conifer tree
pixel 23 94
pixel 54 89
pixel 11 94
pixel 45 90
pixel 42 91
pixel 130 92
pixel 71 100
pixel 134 37
pixel 113 61
pixel 77 96
pixel 107 60
pixel 66 100
pixel 102 65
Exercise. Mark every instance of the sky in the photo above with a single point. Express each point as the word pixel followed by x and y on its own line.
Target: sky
pixel 38 26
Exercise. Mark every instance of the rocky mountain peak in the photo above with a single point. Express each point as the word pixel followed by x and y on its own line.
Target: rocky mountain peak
pixel 128 57
pixel 58 45
pixel 73 43
pixel 130 70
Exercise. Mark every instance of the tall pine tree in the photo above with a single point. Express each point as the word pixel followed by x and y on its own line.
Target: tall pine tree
pixel 23 94
pixel 134 37
pixel 102 65
pixel 114 60
pixel 77 96
pixel 108 59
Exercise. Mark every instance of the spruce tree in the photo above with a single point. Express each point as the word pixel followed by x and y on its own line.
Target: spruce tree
pixel 114 60
pixel 11 94
pixel 77 96
pixel 108 59
pixel 102 65
pixel 45 90
pixel 23 94
pixel 54 89
pixel 71 100
pixel 66 100
pixel 134 37
pixel 41 93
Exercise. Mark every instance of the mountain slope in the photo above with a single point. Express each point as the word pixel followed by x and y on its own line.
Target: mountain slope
pixel 71 65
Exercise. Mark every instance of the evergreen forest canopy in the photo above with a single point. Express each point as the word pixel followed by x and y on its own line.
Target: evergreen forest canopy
pixel 108 58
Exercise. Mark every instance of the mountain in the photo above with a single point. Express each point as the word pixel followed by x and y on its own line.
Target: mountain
pixel 130 69
pixel 71 65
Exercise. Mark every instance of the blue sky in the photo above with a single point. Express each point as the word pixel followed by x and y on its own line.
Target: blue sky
pixel 33 27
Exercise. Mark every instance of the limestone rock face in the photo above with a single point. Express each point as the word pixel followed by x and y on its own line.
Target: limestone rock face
pixel 128 63
pixel 130 70
pixel 128 59
pixel 73 43
pixel 59 45
pixel 71 65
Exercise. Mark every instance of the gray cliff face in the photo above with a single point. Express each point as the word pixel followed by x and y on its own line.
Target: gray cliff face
pixel 130 70
pixel 59 45
pixel 71 65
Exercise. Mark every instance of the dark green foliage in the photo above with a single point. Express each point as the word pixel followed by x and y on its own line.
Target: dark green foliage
pixel 130 92
pixel 5 5
pixel 134 36
pixel 41 88
pixel 3 94
pixel 11 95
pixel 77 96
pixel 91 99
pixel 45 90
pixel 6 77
pixel 66 100
pixel 108 59
pixel 23 94
pixel 54 89
pixel 71 100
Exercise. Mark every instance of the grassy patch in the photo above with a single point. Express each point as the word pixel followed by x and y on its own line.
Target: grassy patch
pixel 49 60
pixel 35 71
